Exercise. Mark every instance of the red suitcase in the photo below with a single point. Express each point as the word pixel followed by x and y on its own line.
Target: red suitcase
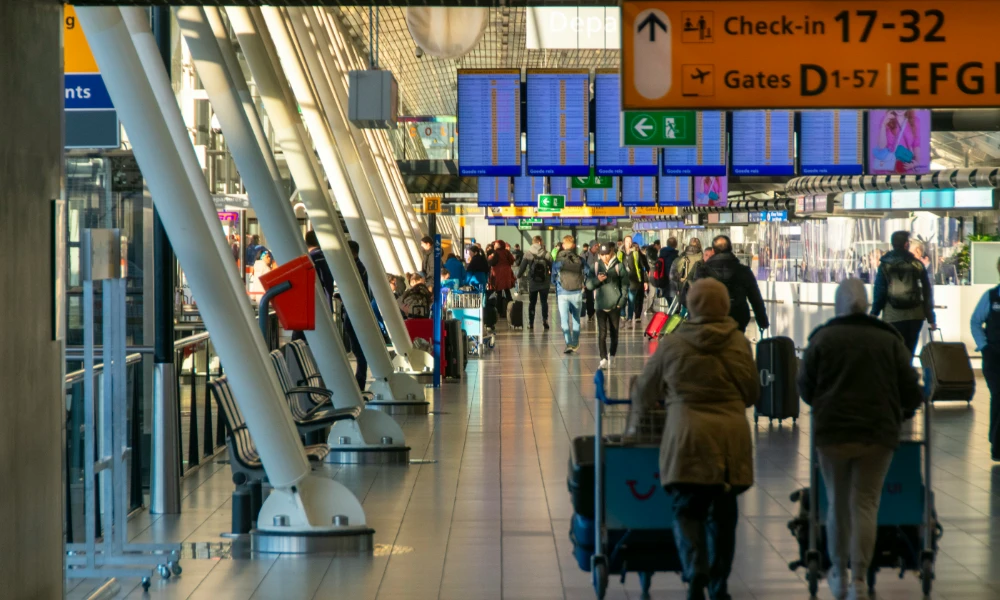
pixel 656 325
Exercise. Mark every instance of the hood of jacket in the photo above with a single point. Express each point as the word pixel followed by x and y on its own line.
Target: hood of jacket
pixel 710 336
pixel 668 254
pixel 723 266
pixel 535 251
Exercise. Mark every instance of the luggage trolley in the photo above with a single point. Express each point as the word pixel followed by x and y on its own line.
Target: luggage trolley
pixel 633 516
pixel 908 529
pixel 468 306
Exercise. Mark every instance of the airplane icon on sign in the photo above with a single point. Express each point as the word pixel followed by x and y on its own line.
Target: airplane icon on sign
pixel 700 75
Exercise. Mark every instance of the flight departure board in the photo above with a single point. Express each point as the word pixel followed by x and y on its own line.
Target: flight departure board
pixel 708 157
pixel 605 196
pixel 639 191
pixel 558 122
pixel 763 142
pixel 493 191
pixel 675 191
pixel 561 187
pixel 612 158
pixel 489 122
pixel 527 189
pixel 831 142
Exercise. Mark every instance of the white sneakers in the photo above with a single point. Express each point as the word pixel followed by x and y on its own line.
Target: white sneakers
pixel 605 363
pixel 835 578
pixel 844 588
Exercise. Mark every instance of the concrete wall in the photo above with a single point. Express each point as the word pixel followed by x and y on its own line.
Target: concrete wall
pixel 32 405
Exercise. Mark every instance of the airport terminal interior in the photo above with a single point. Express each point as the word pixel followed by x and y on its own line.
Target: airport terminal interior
pixel 491 300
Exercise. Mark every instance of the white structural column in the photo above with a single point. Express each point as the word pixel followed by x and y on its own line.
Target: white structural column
pixel 351 205
pixel 388 386
pixel 330 49
pixel 309 502
pixel 209 48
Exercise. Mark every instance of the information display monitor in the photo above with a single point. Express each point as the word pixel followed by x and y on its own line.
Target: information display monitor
pixel 763 143
pixel 527 189
pixel 831 142
pixel 639 191
pixel 675 191
pixel 604 196
pixel 899 142
pixel 558 122
pixel 612 158
pixel 708 157
pixel 493 192
pixel 489 122
pixel 561 186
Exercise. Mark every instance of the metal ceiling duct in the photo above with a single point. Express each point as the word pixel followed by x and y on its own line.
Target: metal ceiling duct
pixel 447 33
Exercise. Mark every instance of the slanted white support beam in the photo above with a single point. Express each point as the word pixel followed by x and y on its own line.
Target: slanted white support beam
pixel 189 216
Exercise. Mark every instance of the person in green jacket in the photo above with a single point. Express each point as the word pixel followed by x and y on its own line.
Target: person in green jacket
pixel 609 281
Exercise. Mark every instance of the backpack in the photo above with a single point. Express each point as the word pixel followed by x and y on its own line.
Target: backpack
pixel 683 269
pixel 903 288
pixel 539 273
pixel 661 278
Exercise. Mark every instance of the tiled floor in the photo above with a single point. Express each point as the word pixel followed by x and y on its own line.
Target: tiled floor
pixel 489 519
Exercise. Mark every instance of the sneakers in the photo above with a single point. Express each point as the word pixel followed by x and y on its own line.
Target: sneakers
pixel 859 590
pixel 835 578
pixel 611 360
pixel 605 364
pixel 573 347
pixel 545 326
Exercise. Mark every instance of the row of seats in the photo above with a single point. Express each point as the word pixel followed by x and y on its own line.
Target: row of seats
pixel 309 401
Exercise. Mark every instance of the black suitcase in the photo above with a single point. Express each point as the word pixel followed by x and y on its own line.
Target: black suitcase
pixel 580 478
pixel 515 314
pixel 777 367
pixel 453 349
pixel 948 371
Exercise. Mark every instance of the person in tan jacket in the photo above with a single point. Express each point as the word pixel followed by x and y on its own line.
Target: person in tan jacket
pixel 705 377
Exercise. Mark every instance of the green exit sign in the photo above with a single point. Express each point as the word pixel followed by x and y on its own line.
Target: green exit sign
pixel 551 202
pixel 659 128
pixel 528 223
pixel 593 182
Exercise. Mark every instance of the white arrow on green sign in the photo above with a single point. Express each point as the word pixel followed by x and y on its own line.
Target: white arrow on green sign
pixel 659 128
pixel 551 202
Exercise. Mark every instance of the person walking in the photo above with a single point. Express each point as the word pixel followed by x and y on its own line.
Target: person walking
pixel 683 269
pixel 857 376
pixel 427 267
pixel 664 263
pixel 361 368
pixel 609 283
pixel 568 271
pixel 986 332
pixel 705 376
pixel 903 291
pixel 590 256
pixel 637 268
pixel 502 272
pixel 536 270
pixel 739 280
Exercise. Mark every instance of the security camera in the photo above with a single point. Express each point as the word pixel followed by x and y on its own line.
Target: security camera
pixel 419 52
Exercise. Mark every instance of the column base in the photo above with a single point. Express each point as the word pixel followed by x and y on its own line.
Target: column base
pixel 335 540
pixel 399 408
pixel 372 455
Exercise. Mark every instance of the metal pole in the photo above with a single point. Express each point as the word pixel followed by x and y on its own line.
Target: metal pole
pixel 274 212
pixel 165 466
pixel 436 301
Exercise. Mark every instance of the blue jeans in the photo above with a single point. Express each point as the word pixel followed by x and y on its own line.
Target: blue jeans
pixel 636 299
pixel 569 306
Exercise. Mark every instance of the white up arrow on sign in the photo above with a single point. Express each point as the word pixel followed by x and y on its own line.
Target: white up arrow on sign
pixel 642 128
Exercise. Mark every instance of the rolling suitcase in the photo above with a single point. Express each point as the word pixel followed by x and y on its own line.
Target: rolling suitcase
pixel 777 367
pixel 948 371
pixel 515 314
pixel 657 323
pixel 454 361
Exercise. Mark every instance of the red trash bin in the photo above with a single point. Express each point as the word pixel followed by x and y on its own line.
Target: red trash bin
pixel 296 307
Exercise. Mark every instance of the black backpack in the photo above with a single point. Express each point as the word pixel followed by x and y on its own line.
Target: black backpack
pixel 539 273
pixel 903 283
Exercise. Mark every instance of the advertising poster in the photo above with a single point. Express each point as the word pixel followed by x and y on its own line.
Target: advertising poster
pixel 899 142
pixel 711 190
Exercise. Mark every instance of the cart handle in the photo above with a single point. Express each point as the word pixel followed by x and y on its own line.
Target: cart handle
pixel 601 396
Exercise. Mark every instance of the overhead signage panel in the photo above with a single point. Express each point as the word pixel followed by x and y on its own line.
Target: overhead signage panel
pixel 489 121
pixel 91 119
pixel 792 54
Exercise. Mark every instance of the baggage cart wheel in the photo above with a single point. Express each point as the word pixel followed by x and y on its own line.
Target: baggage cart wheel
pixel 927 575
pixel 175 567
pixel 645 580
pixel 812 576
pixel 600 580
pixel 164 571
pixel 145 584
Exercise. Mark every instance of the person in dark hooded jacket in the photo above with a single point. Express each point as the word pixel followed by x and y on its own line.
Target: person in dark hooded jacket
pixel 536 270
pixel 668 254
pixel 739 280
pixel 903 291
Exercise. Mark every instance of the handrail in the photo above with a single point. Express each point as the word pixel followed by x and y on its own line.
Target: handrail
pixel 78 376
pixel 191 340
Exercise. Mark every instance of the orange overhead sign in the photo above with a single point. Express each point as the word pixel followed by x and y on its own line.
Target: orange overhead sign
pixel 732 54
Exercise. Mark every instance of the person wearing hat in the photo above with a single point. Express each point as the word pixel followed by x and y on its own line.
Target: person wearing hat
pixel 705 377
pixel 858 377
pixel 608 281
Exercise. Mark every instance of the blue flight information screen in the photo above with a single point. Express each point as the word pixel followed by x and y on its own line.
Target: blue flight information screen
pixel 831 142
pixel 493 191
pixel 639 191
pixel 561 186
pixel 763 142
pixel 604 196
pixel 489 121
pixel 675 191
pixel 612 158
pixel 708 157
pixel 527 189
pixel 558 122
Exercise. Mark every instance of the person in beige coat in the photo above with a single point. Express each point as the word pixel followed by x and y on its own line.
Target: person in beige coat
pixel 705 377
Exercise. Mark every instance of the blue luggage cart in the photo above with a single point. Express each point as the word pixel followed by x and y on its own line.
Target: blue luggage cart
pixel 908 529
pixel 468 306
pixel 633 516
